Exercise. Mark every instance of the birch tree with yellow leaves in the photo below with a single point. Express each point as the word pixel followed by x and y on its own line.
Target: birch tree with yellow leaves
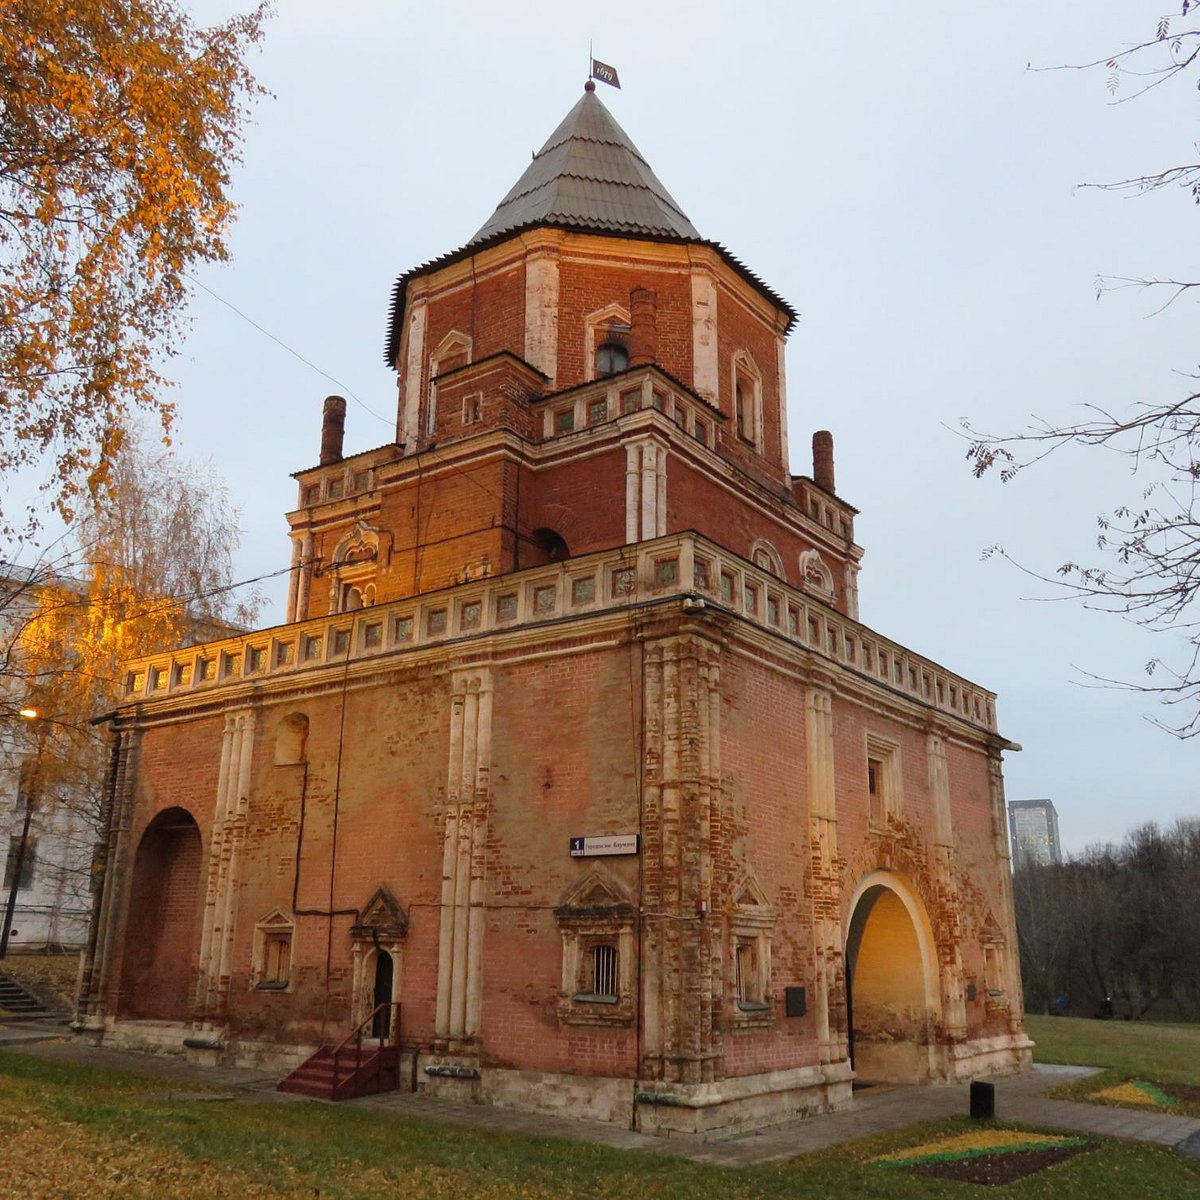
pixel 120 122
pixel 150 565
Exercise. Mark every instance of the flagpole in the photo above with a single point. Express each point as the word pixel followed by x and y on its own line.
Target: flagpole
pixel 590 59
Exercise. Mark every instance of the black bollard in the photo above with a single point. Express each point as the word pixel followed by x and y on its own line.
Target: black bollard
pixel 983 1100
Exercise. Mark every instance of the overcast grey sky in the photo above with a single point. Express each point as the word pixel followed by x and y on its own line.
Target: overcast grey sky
pixel 893 170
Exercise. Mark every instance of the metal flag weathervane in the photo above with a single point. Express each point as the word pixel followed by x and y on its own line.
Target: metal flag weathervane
pixel 605 73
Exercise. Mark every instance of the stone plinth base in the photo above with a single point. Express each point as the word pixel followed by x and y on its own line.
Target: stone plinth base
pixel 210 1048
pixel 580 1097
pixel 1001 1055
pixel 730 1106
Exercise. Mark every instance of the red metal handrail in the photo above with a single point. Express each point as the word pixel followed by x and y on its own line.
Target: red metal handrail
pixel 356 1036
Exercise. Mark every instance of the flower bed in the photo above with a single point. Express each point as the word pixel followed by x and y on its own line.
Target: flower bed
pixel 985 1156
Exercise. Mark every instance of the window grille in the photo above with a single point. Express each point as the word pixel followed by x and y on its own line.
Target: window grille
pixel 604 971
pixel 745 972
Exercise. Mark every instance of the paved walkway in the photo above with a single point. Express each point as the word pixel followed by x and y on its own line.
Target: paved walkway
pixel 876 1110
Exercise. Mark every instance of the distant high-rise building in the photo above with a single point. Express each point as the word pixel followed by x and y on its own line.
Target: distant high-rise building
pixel 1033 825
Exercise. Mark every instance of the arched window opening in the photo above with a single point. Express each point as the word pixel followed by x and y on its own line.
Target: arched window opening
pixel 452 352
pixel 611 356
pixel 606 341
pixel 763 554
pixel 746 384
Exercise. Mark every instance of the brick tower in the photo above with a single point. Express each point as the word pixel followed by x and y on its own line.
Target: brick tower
pixel 572 744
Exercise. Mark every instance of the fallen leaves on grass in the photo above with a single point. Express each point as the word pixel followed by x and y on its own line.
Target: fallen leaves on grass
pixel 59 1159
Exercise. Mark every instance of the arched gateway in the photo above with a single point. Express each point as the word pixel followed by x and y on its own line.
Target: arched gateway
pixel 892 989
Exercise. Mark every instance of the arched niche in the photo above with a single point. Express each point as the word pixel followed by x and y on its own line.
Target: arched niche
pixel 158 972
pixel 543 546
pixel 291 740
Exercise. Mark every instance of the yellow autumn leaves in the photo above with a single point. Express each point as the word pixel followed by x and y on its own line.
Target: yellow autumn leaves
pixel 122 121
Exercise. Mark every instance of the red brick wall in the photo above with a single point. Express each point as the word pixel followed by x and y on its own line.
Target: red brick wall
pixel 726 518
pixel 583 501
pixel 565 746
pixel 766 830
pixel 383 771
pixel 585 287
pixel 564 765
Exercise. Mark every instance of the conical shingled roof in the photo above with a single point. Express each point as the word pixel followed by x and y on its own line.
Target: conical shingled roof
pixel 589 175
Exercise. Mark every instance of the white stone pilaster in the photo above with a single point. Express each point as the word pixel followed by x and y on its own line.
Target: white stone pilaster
pixel 220 899
pixel 632 491
pixel 705 373
pixel 781 376
pixel 294 578
pixel 460 951
pixel 950 930
pixel 827 923
pixel 541 312
pixel 414 375
pixel 645 490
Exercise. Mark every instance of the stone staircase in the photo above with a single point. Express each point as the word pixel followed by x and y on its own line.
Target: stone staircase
pixel 358 1066
pixel 18 1004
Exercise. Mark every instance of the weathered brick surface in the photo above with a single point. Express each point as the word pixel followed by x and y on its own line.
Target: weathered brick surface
pixel 692 728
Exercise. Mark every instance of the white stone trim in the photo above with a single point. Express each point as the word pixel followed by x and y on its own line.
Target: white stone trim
pixel 705 369
pixel 541 312
pixel 645 489
pixel 413 378
pixel 454 343
pixel 743 367
pixel 460 949
pixel 886 752
pixel 610 314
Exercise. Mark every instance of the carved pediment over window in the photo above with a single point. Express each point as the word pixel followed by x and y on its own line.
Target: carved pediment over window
pixel 361 544
pixel 751 923
pixel 354 568
pixel 815 575
pixel 989 929
pixel 595 897
pixel 383 918
pixel 750 903
pixel 276 919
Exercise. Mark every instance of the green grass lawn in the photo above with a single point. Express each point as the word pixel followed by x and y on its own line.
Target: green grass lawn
pixel 1134 1048
pixel 1127 1049
pixel 89 1134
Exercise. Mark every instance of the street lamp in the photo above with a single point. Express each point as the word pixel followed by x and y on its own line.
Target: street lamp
pixel 28 785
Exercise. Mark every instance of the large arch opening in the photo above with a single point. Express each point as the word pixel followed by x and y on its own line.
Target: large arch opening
pixel 158 973
pixel 891 989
